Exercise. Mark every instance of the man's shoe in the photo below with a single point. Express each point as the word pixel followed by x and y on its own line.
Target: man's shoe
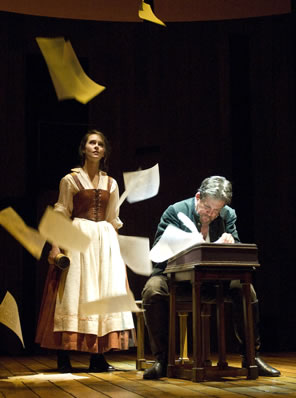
pixel 266 370
pixel 263 368
pixel 159 369
pixel 99 364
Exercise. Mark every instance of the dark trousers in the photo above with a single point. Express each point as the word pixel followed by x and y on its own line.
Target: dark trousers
pixel 155 296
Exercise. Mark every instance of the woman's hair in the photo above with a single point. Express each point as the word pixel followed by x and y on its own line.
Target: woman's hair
pixel 104 161
pixel 216 187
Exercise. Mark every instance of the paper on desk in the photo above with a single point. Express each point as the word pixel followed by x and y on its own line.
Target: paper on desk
pixel 68 77
pixel 174 240
pixel 140 185
pixel 28 237
pixel 9 315
pixel 59 230
pixel 145 12
pixel 135 253
pixel 187 222
pixel 108 305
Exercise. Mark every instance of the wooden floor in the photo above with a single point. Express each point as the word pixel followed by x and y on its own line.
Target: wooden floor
pixel 36 376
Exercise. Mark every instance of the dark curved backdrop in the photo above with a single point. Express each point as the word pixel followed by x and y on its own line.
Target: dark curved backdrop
pixel 199 98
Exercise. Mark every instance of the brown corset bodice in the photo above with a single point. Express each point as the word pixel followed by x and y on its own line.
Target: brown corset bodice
pixel 90 204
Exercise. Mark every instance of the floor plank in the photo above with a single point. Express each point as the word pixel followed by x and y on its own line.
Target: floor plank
pixel 37 377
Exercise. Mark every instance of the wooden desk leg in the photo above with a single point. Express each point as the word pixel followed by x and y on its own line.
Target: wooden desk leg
pixel 249 330
pixel 172 329
pixel 221 327
pixel 198 367
pixel 206 334
pixel 183 337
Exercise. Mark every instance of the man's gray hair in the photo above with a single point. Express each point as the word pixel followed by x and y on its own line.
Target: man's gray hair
pixel 216 187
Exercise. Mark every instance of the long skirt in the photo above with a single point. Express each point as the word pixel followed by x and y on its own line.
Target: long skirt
pixel 97 273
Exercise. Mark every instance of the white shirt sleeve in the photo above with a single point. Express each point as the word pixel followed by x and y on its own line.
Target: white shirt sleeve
pixel 112 211
pixel 65 200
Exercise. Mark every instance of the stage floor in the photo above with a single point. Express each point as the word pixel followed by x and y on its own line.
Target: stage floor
pixel 36 376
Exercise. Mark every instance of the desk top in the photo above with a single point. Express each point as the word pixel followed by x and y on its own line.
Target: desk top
pixel 214 255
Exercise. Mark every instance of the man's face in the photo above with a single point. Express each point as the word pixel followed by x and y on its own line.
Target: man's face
pixel 208 208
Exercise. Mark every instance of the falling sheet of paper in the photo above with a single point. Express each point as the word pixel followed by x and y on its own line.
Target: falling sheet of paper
pixel 140 185
pixel 28 237
pixel 135 253
pixel 172 242
pixel 9 316
pixel 145 12
pixel 59 230
pixel 68 77
pixel 108 305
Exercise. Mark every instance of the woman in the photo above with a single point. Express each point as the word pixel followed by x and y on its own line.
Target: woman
pixel 90 197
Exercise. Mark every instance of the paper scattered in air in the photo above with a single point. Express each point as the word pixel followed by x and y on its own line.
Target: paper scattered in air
pixel 108 305
pixel 140 185
pixel 28 237
pixel 68 77
pixel 59 230
pixel 54 227
pixel 187 222
pixel 145 12
pixel 174 240
pixel 135 253
pixel 9 315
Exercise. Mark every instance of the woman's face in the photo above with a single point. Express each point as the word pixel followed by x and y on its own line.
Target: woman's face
pixel 94 148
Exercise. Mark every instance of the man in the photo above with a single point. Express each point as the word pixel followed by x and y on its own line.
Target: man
pixel 209 210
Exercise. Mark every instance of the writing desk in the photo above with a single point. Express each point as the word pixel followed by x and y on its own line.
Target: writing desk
pixel 216 263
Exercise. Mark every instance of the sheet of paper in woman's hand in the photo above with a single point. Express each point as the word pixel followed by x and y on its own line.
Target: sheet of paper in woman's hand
pixel 59 230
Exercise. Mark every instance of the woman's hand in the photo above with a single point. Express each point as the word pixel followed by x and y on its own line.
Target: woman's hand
pixel 52 254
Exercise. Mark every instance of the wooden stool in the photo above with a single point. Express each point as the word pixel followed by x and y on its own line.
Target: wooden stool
pixel 216 263
pixel 183 307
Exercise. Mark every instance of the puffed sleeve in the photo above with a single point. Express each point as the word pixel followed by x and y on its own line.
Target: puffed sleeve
pixel 112 211
pixel 65 200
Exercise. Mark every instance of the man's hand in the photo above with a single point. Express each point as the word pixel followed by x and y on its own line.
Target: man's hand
pixel 225 238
